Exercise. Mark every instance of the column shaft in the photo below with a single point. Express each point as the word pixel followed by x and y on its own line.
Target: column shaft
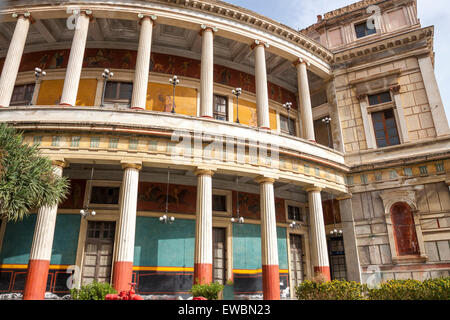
pixel 123 265
pixel 207 74
pixel 75 64
pixel 319 251
pixel 203 229
pixel 305 101
pixel 140 84
pixel 269 244
pixel 12 61
pixel 262 96
pixel 41 250
pixel 434 96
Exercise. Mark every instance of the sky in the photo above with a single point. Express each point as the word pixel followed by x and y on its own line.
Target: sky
pixel 299 14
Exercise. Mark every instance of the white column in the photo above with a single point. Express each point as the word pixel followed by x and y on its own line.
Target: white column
pixel 367 123
pixel 403 132
pixel 75 64
pixel 12 61
pixel 123 265
pixel 140 83
pixel 269 242
pixel 319 251
pixel 305 100
pixel 41 247
pixel 203 231
pixel 207 72
pixel 434 96
pixel 262 94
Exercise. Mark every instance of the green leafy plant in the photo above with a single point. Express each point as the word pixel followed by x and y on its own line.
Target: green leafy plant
pixel 432 289
pixel 93 291
pixel 209 291
pixel 26 178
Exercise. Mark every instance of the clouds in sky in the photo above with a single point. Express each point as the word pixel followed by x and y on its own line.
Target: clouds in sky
pixel 299 14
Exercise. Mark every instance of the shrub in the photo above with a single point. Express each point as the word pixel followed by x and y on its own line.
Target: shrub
pixel 432 289
pixel 334 290
pixel 209 291
pixel 93 291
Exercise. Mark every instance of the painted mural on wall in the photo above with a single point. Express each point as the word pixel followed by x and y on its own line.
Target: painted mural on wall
pixel 249 206
pixel 160 63
pixel 75 198
pixel 152 197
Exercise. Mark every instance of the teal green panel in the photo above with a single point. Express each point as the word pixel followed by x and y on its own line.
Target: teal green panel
pixel 282 248
pixel 17 241
pixel 247 247
pixel 164 245
pixel 65 241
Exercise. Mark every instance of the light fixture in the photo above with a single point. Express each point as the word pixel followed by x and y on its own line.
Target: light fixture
pixel 238 219
pixel 288 107
pixel 107 74
pixel 327 121
pixel 335 232
pixel 294 225
pixel 237 92
pixel 86 212
pixel 167 220
pixel 174 81
pixel 38 73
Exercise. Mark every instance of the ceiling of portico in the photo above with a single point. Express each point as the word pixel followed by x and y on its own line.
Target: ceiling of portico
pixel 124 34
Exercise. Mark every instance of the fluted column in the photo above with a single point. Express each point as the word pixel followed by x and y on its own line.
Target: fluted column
pixel 203 229
pixel 262 93
pixel 434 96
pixel 319 251
pixel 305 100
pixel 123 264
pixel 41 248
pixel 13 58
pixel 207 72
pixel 75 64
pixel 140 84
pixel 269 244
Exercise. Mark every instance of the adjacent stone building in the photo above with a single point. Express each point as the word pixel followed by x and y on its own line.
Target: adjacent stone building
pixel 271 156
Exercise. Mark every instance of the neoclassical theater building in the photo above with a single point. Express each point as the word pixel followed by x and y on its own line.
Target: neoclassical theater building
pixel 205 142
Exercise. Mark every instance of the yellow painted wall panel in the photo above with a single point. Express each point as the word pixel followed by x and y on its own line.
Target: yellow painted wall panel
pixel 86 92
pixel 247 112
pixel 159 98
pixel 50 92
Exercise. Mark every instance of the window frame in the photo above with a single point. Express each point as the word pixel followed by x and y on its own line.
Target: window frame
pixel 23 102
pixel 301 206
pixel 358 23
pixel 229 202
pixel 385 128
pixel 226 114
pixel 293 126
pixel 101 183
pixel 117 102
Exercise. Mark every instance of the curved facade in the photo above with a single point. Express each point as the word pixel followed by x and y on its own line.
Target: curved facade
pixel 193 181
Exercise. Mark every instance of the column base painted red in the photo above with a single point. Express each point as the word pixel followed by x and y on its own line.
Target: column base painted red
pixel 36 283
pixel 271 282
pixel 202 273
pixel 65 104
pixel 323 271
pixel 123 275
pixel 208 117
pixel 137 108
pixel 265 128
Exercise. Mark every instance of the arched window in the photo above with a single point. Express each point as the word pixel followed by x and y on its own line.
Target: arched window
pixel 404 230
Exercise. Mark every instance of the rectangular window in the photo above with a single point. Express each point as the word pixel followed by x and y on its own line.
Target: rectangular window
pixel 105 195
pixel 118 94
pixel 219 203
pixel 423 170
pixel 379 98
pixel 220 111
pixel 22 95
pixel 440 167
pixel 362 29
pixel 294 213
pixel 287 126
pixel 386 132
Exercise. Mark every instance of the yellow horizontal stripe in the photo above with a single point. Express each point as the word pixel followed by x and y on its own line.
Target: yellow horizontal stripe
pixel 25 266
pixel 245 271
pixel 164 269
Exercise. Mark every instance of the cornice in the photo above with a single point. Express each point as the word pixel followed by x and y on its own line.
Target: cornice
pixel 386 44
